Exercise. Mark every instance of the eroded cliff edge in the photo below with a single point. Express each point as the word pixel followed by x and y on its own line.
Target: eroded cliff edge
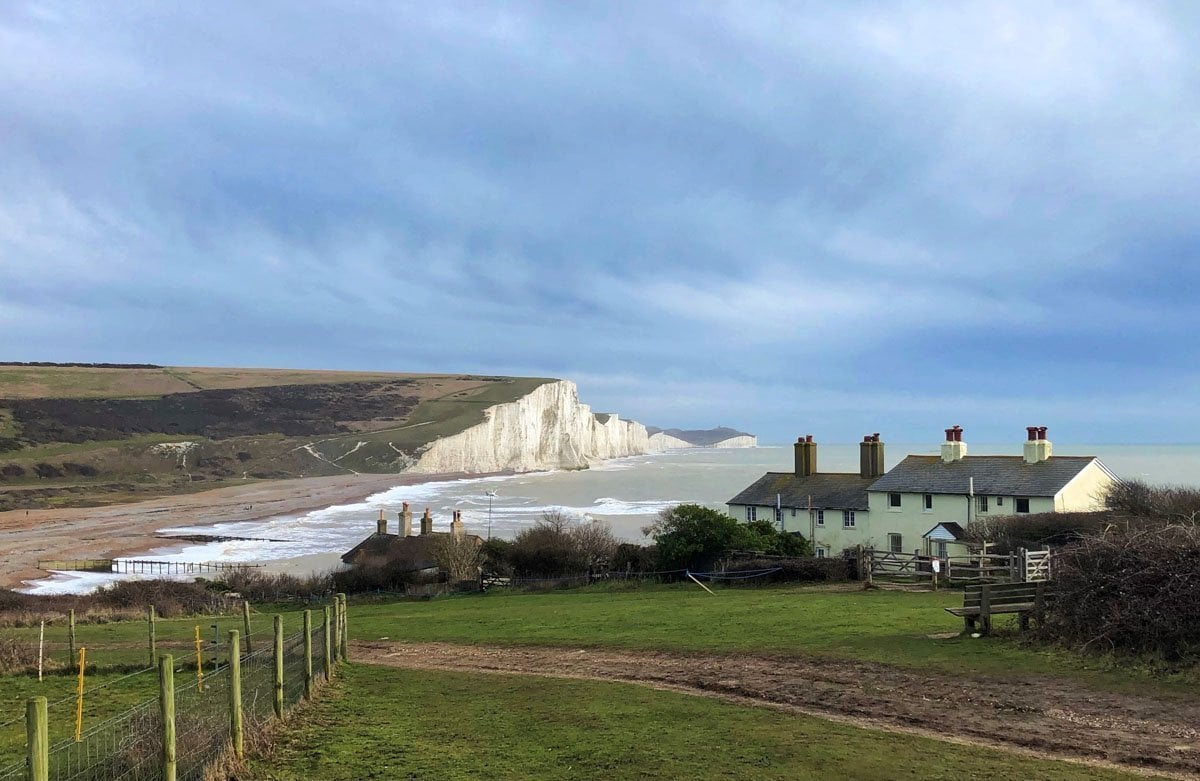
pixel 548 428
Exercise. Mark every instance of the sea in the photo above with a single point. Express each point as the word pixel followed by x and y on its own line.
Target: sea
pixel 626 493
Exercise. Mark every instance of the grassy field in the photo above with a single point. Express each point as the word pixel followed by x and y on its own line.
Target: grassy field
pixel 385 723
pixel 119 675
pixel 433 725
pixel 897 627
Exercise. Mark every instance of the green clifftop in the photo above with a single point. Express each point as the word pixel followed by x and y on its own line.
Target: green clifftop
pixel 80 435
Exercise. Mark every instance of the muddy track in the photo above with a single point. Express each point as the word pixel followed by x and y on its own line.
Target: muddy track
pixel 1042 716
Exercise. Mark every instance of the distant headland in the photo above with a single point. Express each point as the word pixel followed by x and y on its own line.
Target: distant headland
pixel 87 434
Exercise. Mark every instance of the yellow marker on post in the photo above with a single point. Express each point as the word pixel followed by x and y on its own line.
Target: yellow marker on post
pixel 199 663
pixel 79 698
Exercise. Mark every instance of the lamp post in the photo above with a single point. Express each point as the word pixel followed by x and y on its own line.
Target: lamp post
pixel 491 495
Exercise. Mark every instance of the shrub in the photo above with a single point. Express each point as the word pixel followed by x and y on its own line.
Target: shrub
pixel 374 574
pixel 692 536
pixel 1010 532
pixel 1131 590
pixel 1135 499
pixel 496 557
pixel 16 656
pixel 547 548
pixel 630 557
pixel 807 569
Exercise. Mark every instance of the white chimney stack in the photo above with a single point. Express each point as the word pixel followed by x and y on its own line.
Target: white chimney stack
pixel 1037 447
pixel 953 449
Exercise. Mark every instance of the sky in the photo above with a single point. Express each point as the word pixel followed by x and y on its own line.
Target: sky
pixel 827 218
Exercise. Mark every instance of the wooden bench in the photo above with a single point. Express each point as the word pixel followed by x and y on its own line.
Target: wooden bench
pixel 982 602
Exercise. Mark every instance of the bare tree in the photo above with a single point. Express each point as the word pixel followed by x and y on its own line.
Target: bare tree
pixel 596 541
pixel 461 557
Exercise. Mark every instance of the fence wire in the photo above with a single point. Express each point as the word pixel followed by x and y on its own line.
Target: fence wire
pixel 129 746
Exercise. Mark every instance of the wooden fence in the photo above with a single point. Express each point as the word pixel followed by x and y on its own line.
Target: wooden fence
pixel 142 566
pixel 981 567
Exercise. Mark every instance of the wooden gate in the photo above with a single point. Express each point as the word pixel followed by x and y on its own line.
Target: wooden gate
pixel 1035 564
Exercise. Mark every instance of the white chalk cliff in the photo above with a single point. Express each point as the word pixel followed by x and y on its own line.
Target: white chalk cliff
pixel 546 429
pixel 747 440
pixel 661 441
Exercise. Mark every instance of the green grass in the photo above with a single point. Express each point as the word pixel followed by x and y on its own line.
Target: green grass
pixel 385 723
pixel 115 651
pixel 52 449
pixel 883 626
pixel 105 695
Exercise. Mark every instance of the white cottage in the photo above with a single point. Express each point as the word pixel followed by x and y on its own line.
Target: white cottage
pixel 925 503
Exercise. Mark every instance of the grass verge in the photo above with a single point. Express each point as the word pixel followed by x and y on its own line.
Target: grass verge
pixel 386 723
pixel 896 627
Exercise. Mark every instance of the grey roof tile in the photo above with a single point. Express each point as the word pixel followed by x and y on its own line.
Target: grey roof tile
pixel 828 490
pixel 994 475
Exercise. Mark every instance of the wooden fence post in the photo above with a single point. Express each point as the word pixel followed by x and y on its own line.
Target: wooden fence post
pixel 344 629
pixel 278 666
pixel 246 622
pixel 327 636
pixel 308 677
pixel 37 741
pixel 985 608
pixel 235 695
pixel 150 630
pixel 71 632
pixel 166 701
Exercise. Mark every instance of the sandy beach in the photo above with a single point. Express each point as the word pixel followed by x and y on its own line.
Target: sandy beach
pixel 128 529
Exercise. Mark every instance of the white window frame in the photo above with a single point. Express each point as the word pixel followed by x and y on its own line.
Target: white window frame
pixel 999 501
pixel 981 503
pixel 820 551
pixel 819 516
pixel 899 497
pixel 848 519
pixel 927 503
pixel 895 542
pixel 779 515
pixel 751 513
pixel 1017 505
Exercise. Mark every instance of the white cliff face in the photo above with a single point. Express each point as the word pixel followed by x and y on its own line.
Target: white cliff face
pixel 661 441
pixel 546 429
pixel 747 441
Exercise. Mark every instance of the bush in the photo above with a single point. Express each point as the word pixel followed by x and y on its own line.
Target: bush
pixel 258 586
pixel 170 598
pixel 1009 532
pixel 1129 590
pixel 808 569
pixel 547 549
pixel 695 537
pixel 630 557
pixel 496 557
pixel 1135 499
pixel 374 574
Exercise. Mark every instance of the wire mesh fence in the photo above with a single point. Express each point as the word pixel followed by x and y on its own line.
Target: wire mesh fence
pixel 85 744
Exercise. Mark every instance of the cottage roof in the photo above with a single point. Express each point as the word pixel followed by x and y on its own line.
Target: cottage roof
pixel 993 475
pixel 414 552
pixel 827 490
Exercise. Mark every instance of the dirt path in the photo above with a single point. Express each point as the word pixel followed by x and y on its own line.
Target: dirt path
pixel 1044 716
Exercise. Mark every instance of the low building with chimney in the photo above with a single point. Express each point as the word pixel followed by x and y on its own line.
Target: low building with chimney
pixel 406 551
pixel 812 503
pixel 925 503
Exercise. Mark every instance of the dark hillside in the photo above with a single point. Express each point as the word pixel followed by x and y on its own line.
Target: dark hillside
pixel 291 410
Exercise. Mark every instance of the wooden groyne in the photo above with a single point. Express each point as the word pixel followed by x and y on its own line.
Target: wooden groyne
pixel 214 538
